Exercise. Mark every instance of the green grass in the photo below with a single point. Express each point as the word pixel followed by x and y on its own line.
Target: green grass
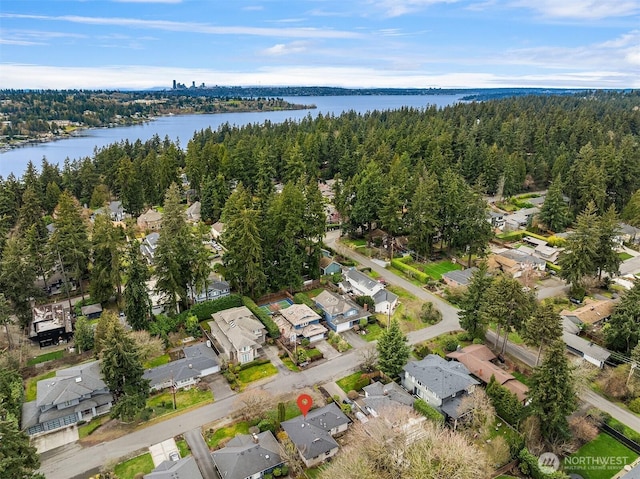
pixel 257 372
pixel 521 377
pixel 88 429
pixel 184 399
pixel 43 358
pixel 32 385
pixel 436 270
pixel 373 332
pixel 129 469
pixel 400 292
pixel 314 292
pixel 159 361
pixel 353 382
pixel 624 256
pixel 313 472
pixel 605 447
pixel 213 440
pixel 183 448
pixel 289 364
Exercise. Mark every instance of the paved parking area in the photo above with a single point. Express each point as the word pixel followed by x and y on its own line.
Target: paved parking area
pixel 328 351
pixel 160 452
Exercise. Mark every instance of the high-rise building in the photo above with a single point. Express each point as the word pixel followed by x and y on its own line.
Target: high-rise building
pixel 174 84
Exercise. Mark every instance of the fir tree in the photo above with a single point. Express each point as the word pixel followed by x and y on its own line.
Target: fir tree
pixel 554 213
pixel 393 350
pixel 137 306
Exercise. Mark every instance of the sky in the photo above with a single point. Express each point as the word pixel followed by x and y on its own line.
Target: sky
pixel 139 44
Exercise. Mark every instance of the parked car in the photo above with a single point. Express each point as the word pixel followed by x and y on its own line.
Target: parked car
pixel 174 456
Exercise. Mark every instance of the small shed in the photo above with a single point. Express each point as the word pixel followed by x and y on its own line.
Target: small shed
pixel 91 311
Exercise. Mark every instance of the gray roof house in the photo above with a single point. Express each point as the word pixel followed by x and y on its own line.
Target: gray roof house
pixel 149 245
pixel 340 313
pixel 74 394
pixel 199 361
pixel 459 277
pixel 193 212
pixel 378 396
pixel 439 382
pixel 237 334
pixel 385 301
pixel 313 435
pixel 216 288
pixel 185 468
pixel 361 284
pixel 248 456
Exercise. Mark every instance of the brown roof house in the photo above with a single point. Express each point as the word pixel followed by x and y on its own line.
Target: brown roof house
pixel 150 220
pixel 478 359
pixel 592 313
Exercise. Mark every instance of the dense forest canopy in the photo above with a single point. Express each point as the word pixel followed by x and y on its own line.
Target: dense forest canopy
pixel 396 167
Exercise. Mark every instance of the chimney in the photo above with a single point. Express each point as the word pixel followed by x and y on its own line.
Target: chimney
pixel 255 437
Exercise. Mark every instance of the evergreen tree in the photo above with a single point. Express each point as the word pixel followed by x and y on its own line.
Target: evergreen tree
pixel 579 257
pixel 607 259
pixel 474 230
pixel 542 328
pixel 137 306
pixel 622 331
pixel 106 273
pixel 313 227
pixel 17 277
pixel 474 302
pixel 423 214
pixel 554 213
pixel 122 370
pixel 69 242
pixel 18 458
pixel 393 351
pixel 553 394
pixel 631 212
pixel 368 189
pixel 5 319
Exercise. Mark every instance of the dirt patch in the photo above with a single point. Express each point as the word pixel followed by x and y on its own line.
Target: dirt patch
pixel 109 431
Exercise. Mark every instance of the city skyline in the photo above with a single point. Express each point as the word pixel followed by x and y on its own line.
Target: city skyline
pixel 138 44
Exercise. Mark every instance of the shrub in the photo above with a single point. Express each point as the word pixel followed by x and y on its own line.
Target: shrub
pixel 506 403
pixel 353 395
pixel 635 405
pixel 305 342
pixel 450 344
pixel 265 319
pixel 529 466
pixel 421 351
pixel 285 470
pixel 583 429
pixel 427 411
pixel 465 336
pixel 277 472
pixel 368 301
pixel 266 425
pixel 478 341
pixel 410 271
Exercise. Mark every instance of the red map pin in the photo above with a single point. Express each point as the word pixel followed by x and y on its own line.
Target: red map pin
pixel 304 403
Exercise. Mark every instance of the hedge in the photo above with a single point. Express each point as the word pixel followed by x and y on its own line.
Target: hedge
pixel 554 267
pixel 272 328
pixel 204 310
pixel 512 235
pixel 255 362
pixel 506 403
pixel 529 466
pixel 302 298
pixel 410 271
pixel 428 411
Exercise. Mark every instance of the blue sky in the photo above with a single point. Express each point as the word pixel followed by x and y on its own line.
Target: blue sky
pixel 349 43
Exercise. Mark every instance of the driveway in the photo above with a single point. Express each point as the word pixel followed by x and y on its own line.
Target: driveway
pixel 631 266
pixel 328 351
pixel 220 387
pixel 201 454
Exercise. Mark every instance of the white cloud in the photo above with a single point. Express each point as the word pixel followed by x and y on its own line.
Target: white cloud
pixel 192 27
pixel 14 41
pixel 582 9
pixel 396 8
pixel 280 49
pixel 140 77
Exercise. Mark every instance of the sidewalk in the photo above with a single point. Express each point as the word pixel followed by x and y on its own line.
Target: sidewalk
pixel 334 390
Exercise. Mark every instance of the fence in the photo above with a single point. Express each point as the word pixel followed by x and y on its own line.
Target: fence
pixel 634 446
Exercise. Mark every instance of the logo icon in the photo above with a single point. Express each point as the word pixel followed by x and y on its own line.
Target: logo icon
pixel 548 462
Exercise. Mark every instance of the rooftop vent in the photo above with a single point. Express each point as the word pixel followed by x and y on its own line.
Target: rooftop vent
pixel 78 379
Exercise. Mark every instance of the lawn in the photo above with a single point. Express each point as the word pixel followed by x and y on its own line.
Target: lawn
pixel 436 270
pixel 353 382
pixel 131 468
pixel 183 448
pixel 155 362
pixel 373 332
pixel 43 358
pixel 289 364
pixel 257 372
pixel 624 256
pixel 603 448
pixel 32 384
pixel 87 429
pixel 163 402
pixel 213 440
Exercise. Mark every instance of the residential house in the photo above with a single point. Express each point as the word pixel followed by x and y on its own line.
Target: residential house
pixel 198 361
pixel 592 313
pixel 313 435
pixel 585 349
pixel 329 266
pixel 91 311
pixel 193 212
pixel 362 285
pixel 159 303
pixel 248 456
pixel 525 261
pixel 459 277
pixel 378 396
pixel 149 245
pixel 301 320
pixel 479 360
pixel 340 313
pixel 185 468
pixel 520 219
pixel 540 249
pixel 439 382
pixel 150 220
pixel 215 289
pixel 628 234
pixel 216 230
pixel 515 263
pixel 51 324
pixel 496 219
pixel 73 394
pixel 116 211
pixel 237 334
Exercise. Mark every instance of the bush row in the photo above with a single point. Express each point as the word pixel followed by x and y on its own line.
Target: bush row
pixel 410 270
pixel 428 411
pixel 530 467
pixel 506 403
pixel 263 316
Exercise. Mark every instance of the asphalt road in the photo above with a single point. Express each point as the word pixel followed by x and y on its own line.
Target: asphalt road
pixel 74 461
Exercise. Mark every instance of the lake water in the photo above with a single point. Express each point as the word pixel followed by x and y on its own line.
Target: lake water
pixel 182 127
